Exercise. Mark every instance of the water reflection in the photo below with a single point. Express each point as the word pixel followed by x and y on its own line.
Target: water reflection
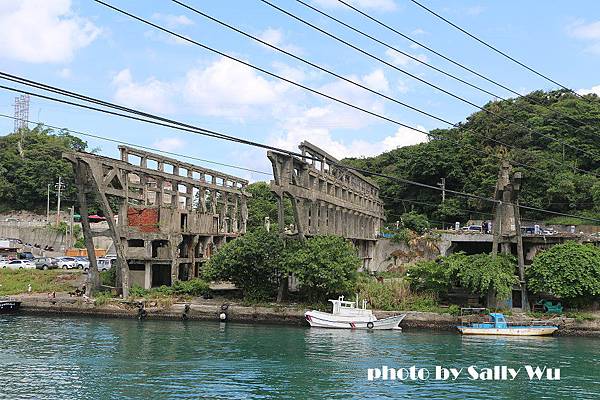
pixel 59 358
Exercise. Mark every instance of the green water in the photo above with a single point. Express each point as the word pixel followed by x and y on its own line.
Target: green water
pixel 81 358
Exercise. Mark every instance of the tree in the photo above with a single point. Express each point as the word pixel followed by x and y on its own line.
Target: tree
pixel 263 203
pixel 252 262
pixel 478 273
pixel 324 265
pixel 482 273
pixel 415 222
pixel 570 271
pixel 467 156
pixel 26 175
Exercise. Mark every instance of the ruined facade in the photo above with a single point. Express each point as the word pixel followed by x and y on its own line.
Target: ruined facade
pixel 327 198
pixel 171 215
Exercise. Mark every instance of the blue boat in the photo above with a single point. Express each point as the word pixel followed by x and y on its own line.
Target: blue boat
pixel 499 326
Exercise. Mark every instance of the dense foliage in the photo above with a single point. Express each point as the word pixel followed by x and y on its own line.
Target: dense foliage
pixel 456 156
pixel 479 273
pixel 252 262
pixel 30 161
pixel 415 222
pixel 570 271
pixel 325 266
pixel 257 261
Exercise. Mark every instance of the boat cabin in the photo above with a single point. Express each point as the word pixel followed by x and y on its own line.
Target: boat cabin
pixel 349 308
pixel 498 321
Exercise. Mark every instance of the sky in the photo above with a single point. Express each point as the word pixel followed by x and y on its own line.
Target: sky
pixel 85 47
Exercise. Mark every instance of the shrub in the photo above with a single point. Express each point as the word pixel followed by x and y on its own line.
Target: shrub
pixel 324 265
pixel 415 222
pixel 570 271
pixel 477 273
pixel 109 278
pixel 251 262
pixel 194 287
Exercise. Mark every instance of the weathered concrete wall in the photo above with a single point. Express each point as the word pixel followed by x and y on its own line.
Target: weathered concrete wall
pixel 389 255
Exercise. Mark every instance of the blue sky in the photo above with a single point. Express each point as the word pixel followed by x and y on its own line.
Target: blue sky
pixel 85 47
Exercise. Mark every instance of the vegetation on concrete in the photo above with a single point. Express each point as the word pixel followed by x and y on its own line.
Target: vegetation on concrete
pixel 18 281
pixel 394 294
pixel 479 274
pixel 415 222
pixel 570 271
pixel 452 157
pixel 193 287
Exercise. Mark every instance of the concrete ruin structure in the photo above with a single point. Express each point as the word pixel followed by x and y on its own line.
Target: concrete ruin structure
pixel 327 198
pixel 165 217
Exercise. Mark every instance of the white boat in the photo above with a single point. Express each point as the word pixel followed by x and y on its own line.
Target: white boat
pixel 347 315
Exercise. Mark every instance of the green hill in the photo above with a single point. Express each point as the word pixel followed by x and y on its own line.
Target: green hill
pixel 468 157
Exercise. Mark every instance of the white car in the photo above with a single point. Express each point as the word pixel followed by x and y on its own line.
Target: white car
pixel 82 263
pixel 104 264
pixel 19 264
pixel 66 262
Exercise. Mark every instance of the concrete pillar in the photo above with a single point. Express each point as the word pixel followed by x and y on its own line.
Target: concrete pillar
pixel 147 275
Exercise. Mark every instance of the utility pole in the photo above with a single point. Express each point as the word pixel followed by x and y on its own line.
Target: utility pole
pixel 48 206
pixel 71 226
pixel 442 184
pixel 59 186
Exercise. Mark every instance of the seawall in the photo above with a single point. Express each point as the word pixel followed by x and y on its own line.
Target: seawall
pixel 212 310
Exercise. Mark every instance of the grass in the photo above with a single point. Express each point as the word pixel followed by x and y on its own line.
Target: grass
pixel 17 281
pixel 395 295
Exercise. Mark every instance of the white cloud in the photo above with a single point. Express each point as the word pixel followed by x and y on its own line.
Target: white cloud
pixel 589 32
pixel 151 95
pixel 42 31
pixel 355 148
pixel 376 80
pixel 593 89
pixel 172 21
pixel 379 5
pixel 275 37
pixel 169 144
pixel 475 10
pixel 64 73
pixel 227 88
pixel 401 60
pixel 581 30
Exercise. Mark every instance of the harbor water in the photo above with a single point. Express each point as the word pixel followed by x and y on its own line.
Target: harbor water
pixel 85 358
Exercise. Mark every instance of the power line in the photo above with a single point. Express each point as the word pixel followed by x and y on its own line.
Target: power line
pixel 311 89
pixel 74 132
pixel 397 50
pixel 340 165
pixel 187 127
pixel 454 62
pixel 492 47
pixel 447 92
pixel 229 26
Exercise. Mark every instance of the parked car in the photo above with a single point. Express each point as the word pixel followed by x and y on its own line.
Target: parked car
pixel 19 264
pixel 104 264
pixel 66 262
pixel 82 263
pixel 472 228
pixel 46 263
pixel 26 255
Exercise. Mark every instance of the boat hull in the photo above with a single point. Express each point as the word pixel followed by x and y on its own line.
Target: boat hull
pixel 515 331
pixel 9 306
pixel 323 320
